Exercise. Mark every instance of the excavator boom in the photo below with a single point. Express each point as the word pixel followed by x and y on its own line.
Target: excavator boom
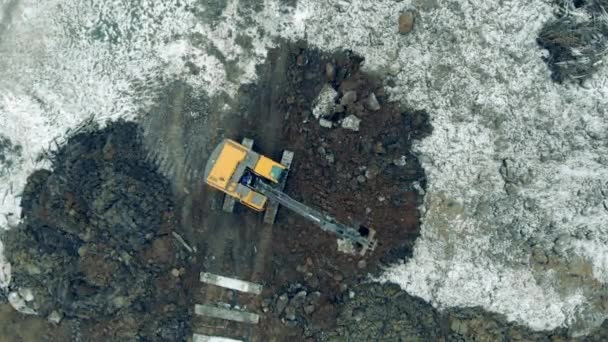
pixel 362 238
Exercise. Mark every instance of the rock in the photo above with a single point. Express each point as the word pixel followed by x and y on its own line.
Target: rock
pixel 175 272
pixel 418 187
pixel 325 102
pixel 406 22
pixel 26 294
pixel 301 60
pixel 349 98
pixel 55 317
pixel 325 123
pixel 372 172
pixel 361 179
pixel 313 298
pixel 401 161
pixel 330 71
pixel 298 300
pixel 562 244
pixel 361 264
pixel 459 327
pixel 372 102
pixel 290 313
pixel 281 304
pixel 511 189
pixel 339 109
pixel 309 309
pixel 379 148
pixel 539 256
pixel 19 304
pixel 358 315
pixel 351 122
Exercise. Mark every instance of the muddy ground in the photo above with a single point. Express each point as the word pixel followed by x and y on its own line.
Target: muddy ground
pixel 97 246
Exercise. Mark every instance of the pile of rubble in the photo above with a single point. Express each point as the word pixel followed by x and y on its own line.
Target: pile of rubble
pixel 96 245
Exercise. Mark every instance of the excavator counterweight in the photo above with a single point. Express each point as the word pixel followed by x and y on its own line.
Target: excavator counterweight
pixel 257 181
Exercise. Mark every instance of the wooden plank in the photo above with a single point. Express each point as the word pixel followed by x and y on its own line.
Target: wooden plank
pixel 231 283
pixel 207 338
pixel 226 314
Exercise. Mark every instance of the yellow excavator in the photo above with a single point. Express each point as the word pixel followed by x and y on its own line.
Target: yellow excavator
pixel 257 182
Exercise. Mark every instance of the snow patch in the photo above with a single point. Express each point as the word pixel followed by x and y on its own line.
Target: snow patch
pixel 5 269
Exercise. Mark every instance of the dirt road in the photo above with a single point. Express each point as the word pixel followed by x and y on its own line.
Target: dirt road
pixel 182 135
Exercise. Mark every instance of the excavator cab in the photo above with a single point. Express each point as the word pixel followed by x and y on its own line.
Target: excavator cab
pixel 234 168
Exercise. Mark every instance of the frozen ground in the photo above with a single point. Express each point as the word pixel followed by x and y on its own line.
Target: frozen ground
pixel 516 212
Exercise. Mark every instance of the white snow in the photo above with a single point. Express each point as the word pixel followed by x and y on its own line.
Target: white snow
pixel 597 252
pixel 5 269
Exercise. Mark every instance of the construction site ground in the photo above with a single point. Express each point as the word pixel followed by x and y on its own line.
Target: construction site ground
pixel 311 290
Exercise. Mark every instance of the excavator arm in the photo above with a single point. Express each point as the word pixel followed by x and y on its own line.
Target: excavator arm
pixel 362 239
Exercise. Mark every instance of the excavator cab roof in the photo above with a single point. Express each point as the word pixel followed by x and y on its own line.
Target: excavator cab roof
pixel 223 162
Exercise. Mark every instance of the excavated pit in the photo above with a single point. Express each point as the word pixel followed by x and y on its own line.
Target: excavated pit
pixel 368 177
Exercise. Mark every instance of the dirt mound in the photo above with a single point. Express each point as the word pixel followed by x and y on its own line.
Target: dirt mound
pixel 95 242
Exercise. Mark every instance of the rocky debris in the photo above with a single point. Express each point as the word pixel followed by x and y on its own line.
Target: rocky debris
pixel 9 154
pixel 326 123
pixel 562 244
pixel 385 312
pixel 351 122
pixel 96 244
pixel 325 102
pixel 406 22
pixel 19 303
pixel 379 148
pixel 348 98
pixel 281 304
pixel 330 72
pixel 55 317
pixel 372 102
pixel 401 161
pixel 515 172
pixel 296 305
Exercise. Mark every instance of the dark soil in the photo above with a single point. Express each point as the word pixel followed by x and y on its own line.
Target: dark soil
pixel 357 177
pixel 95 243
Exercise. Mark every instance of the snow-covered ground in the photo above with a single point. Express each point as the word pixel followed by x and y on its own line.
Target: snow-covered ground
pixel 517 200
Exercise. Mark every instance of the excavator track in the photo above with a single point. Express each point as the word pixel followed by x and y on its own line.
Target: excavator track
pixel 229 202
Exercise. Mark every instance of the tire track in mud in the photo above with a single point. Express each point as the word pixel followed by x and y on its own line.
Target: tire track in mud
pixel 232 245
